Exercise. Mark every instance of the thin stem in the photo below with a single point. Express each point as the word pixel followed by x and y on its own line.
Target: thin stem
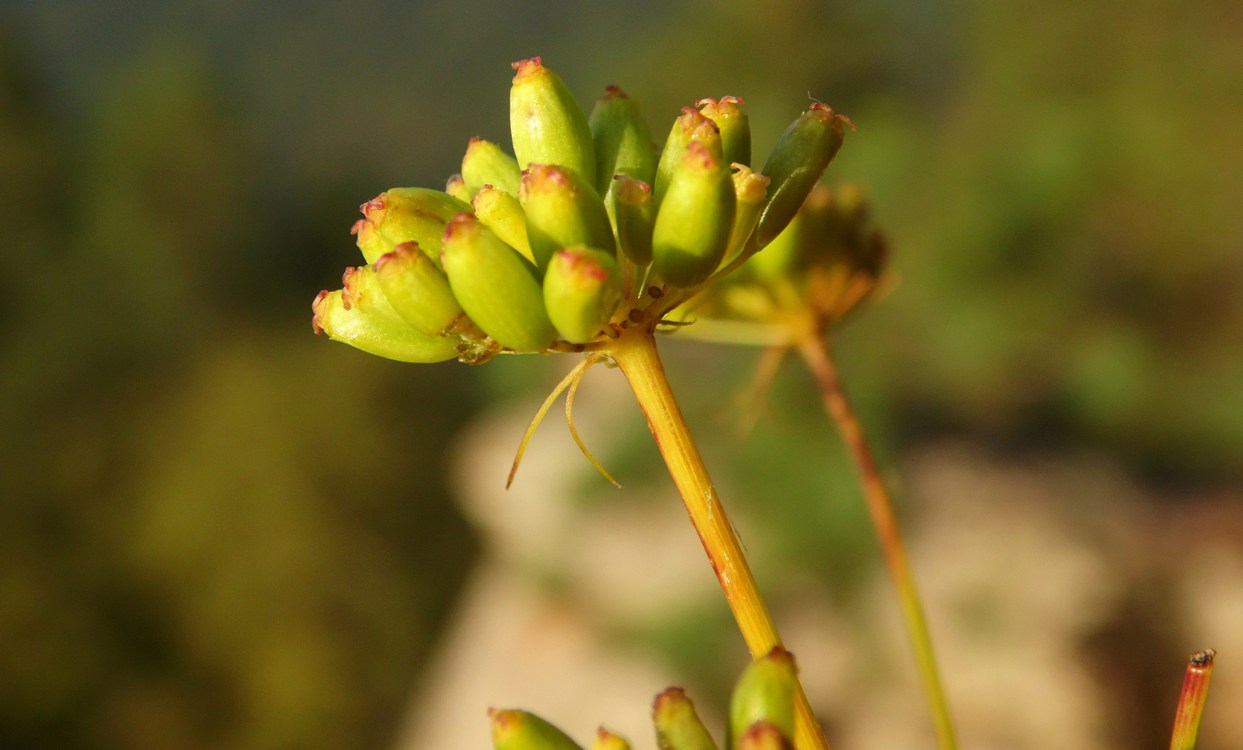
pixel 1191 700
pixel 636 356
pixel 816 354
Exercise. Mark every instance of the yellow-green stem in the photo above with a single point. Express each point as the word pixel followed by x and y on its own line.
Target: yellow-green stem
pixel 636 355
pixel 816 354
pixel 1191 700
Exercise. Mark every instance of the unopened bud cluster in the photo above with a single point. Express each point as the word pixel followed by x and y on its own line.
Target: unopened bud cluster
pixel 761 717
pixel 585 230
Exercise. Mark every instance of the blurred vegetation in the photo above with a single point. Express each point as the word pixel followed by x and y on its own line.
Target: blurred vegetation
pixel 218 531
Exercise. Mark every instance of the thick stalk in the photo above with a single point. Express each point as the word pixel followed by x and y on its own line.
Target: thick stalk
pixel 636 355
pixel 816 353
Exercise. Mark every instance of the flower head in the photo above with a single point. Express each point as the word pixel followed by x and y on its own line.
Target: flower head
pixel 584 231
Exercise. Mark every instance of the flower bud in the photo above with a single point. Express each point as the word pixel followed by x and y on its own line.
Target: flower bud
pixel 582 288
pixel 677 725
pixel 562 210
pixel 796 164
pixel 606 740
pixel 763 736
pixel 623 142
pixel 514 729
pixel 734 125
pixel 496 286
pixel 634 218
pixel 485 163
pixel 764 693
pixel 405 215
pixel 502 213
pixel 547 124
pixel 750 189
pixel 417 290
pixel 690 126
pixel 361 316
pixel 695 219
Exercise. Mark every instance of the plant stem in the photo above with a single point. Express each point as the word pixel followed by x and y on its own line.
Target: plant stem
pixel 636 356
pixel 1191 700
pixel 815 352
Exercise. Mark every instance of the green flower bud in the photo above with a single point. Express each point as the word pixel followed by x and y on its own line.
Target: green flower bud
pixel 690 126
pixel 502 213
pixel 485 163
pixel 562 210
pixel 361 316
pixel 763 736
pixel 623 142
pixel 796 164
pixel 764 693
pixel 405 215
pixel 456 186
pixel 695 219
pixel 418 291
pixel 546 122
pixel 750 189
pixel 677 725
pixel 734 125
pixel 514 729
pixel 496 286
pixel 582 288
pixel 634 218
pixel 606 740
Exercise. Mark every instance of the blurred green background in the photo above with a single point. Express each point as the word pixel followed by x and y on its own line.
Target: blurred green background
pixel 217 530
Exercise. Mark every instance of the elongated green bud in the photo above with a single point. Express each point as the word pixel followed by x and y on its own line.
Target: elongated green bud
pixel 562 211
pixel 634 218
pixel 764 693
pixel 496 286
pixel 622 141
pixel 582 288
pixel 606 740
pixel 405 215
pixel 418 291
pixel 514 729
pixel 677 725
pixel 546 122
pixel 734 125
pixel 503 214
pixel 763 736
pixel 361 316
pixel 796 164
pixel 690 126
pixel 694 221
pixel 750 189
pixel 485 163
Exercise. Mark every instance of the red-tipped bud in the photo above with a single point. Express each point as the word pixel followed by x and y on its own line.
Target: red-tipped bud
pixel 734 125
pixel 695 219
pixel 546 122
pixel 562 210
pixel 796 164
pixel 405 215
pixel 496 286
